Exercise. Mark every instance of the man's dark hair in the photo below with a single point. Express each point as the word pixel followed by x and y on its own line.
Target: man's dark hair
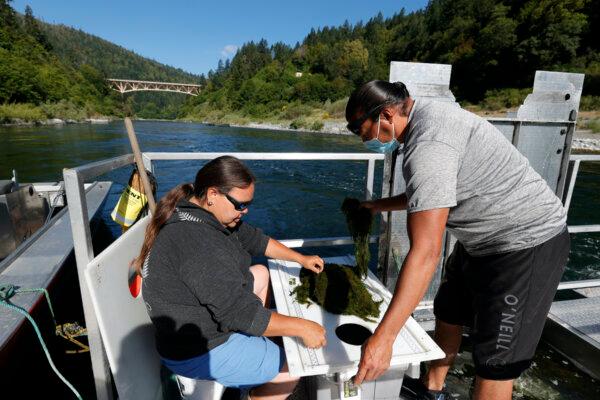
pixel 373 96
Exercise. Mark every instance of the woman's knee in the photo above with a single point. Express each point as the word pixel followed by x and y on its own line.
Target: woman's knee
pixel 284 376
pixel 261 275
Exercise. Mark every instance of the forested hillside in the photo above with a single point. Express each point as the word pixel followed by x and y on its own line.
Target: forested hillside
pixel 49 71
pixel 77 48
pixel 494 46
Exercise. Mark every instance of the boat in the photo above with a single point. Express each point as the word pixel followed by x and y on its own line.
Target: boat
pixel 118 330
pixel 38 250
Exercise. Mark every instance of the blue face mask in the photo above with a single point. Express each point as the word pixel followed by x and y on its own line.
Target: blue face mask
pixel 378 146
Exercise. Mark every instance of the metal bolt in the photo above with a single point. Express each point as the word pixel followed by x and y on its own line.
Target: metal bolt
pixel 563 131
pixel 558 151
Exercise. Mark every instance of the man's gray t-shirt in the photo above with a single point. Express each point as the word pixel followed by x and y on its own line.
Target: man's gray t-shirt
pixel 456 159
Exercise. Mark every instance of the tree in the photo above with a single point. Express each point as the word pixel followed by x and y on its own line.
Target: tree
pixel 549 31
pixel 8 17
pixel 33 29
pixel 352 60
pixel 281 52
pixel 377 41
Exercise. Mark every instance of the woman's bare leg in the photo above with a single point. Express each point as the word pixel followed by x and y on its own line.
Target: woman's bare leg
pixel 278 389
pixel 261 282
pixel 283 384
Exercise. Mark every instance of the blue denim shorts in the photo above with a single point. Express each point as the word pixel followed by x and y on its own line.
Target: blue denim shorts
pixel 242 362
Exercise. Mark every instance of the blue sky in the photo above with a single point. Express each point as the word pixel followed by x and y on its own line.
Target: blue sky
pixel 194 35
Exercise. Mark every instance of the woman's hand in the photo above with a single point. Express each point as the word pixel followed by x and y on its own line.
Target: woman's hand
pixel 277 250
pixel 313 263
pixel 313 335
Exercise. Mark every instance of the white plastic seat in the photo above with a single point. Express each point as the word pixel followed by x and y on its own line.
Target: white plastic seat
pixel 126 329
pixel 193 389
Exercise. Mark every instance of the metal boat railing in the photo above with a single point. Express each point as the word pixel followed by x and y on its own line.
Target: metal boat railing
pixel 574 162
pixel 82 240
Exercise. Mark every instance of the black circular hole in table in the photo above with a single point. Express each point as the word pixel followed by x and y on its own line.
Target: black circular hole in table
pixel 353 334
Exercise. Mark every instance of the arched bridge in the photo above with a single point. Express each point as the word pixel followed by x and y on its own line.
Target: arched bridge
pixel 130 85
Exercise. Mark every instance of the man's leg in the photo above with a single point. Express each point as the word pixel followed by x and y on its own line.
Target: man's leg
pixel 513 294
pixel 486 389
pixel 448 337
pixel 452 309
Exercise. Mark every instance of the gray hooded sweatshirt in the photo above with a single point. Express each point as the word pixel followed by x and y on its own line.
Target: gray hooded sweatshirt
pixel 197 285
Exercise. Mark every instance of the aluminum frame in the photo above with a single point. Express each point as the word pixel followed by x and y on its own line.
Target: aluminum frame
pixel 82 241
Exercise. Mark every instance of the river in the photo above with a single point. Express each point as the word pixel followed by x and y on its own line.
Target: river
pixel 293 199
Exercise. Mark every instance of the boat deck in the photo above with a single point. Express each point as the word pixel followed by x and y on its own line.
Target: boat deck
pixel 573 329
pixel 37 261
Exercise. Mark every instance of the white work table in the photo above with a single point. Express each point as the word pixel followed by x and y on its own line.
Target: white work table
pixel 412 345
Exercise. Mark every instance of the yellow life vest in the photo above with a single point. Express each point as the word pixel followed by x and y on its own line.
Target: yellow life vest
pixel 128 207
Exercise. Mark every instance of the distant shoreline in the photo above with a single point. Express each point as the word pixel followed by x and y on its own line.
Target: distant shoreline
pixel 331 128
pixel 584 140
pixel 57 121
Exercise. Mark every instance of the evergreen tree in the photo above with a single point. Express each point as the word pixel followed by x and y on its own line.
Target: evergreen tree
pixel 33 29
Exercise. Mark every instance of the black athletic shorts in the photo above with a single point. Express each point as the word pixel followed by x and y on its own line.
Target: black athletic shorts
pixel 505 299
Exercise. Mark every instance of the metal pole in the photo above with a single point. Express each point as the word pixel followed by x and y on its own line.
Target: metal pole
pixel 572 177
pixel 84 253
pixel 148 163
pixel 516 133
pixel 565 161
pixel 588 283
pixel 370 179
pixel 137 154
pixel 584 229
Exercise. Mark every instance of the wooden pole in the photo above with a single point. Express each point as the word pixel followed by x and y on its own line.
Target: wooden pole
pixel 137 154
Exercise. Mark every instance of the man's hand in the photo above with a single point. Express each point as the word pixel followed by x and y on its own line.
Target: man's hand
pixel 313 263
pixel 375 358
pixel 369 205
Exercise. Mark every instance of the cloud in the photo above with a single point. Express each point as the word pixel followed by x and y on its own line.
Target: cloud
pixel 229 50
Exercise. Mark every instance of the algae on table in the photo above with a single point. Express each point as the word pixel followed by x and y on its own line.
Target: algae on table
pixel 359 221
pixel 340 289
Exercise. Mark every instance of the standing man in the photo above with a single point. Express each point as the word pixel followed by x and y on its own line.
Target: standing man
pixel 463 175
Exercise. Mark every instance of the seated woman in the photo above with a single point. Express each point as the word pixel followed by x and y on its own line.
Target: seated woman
pixel 205 299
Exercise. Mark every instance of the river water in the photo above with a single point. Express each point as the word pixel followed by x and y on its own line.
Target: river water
pixel 293 199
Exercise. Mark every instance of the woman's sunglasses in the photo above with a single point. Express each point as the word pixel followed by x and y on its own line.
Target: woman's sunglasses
pixel 239 206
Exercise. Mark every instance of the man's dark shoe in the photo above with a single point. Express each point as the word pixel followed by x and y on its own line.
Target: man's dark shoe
pixel 414 389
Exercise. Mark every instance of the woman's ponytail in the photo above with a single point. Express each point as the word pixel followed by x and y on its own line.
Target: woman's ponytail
pixel 164 210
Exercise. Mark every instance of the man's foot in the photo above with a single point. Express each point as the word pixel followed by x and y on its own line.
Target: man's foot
pixel 414 389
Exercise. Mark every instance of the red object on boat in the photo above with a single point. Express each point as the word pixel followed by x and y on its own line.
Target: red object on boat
pixel 135 286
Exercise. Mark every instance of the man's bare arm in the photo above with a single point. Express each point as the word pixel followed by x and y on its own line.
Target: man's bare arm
pixel 394 203
pixel 425 230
